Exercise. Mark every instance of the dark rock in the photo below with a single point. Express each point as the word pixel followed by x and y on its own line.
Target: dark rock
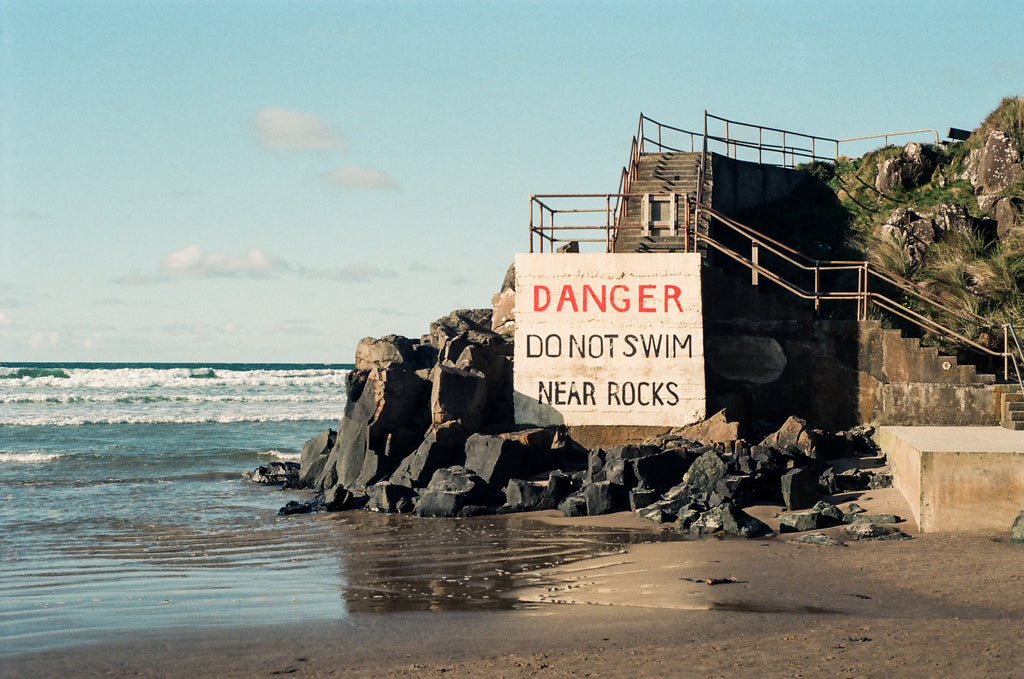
pixel 560 486
pixel 865 530
pixel 1000 163
pixel 881 479
pixel 954 218
pixel 339 498
pixel 799 488
pixel 452 490
pixel 523 495
pixel 314 456
pixel 852 479
pixel 390 498
pixel 1017 530
pixel 663 511
pixel 737 489
pixel 389 350
pixel 1009 214
pixel 737 522
pixel 660 470
pixel 604 497
pixel 829 512
pixel 378 430
pixel 496 458
pixel 799 521
pixel 818 539
pixel 871 518
pixel 703 476
pixel 457 395
pixel 794 437
pixel 441 447
pixel 574 505
pixel 439 503
pixel 463 482
pixel 276 474
pixel 296 507
pixel 615 464
pixel 641 497
pixel 725 518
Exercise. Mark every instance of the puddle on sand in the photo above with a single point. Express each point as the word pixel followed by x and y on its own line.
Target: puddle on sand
pixel 391 563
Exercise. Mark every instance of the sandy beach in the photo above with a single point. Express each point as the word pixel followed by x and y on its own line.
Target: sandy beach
pixel 936 605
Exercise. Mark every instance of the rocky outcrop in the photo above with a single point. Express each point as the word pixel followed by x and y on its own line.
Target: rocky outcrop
pixel 911 169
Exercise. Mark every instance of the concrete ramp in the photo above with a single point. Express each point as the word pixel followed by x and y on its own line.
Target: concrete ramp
pixel 958 479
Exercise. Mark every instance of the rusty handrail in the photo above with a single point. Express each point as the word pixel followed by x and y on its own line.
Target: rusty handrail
pixel 547 228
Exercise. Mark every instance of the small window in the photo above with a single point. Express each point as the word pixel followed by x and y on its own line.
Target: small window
pixel 661 211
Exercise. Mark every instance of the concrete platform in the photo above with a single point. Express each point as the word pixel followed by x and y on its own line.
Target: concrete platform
pixel 958 479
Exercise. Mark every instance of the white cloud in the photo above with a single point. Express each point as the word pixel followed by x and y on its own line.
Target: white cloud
pixel 5 319
pixel 44 339
pixel 284 130
pixel 194 262
pixel 362 178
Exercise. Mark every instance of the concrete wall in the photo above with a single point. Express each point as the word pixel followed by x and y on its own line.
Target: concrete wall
pixel 766 361
pixel 738 184
pixel 958 479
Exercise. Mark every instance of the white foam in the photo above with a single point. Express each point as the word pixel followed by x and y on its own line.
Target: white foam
pixel 28 458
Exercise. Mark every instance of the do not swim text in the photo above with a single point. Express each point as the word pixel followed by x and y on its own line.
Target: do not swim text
pixel 585 393
pixel 609 345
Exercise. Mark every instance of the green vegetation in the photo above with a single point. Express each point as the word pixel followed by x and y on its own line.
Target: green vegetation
pixel 971 272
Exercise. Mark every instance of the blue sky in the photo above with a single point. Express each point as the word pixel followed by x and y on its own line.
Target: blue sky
pixel 272 181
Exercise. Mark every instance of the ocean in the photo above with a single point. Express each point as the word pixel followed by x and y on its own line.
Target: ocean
pixel 124 510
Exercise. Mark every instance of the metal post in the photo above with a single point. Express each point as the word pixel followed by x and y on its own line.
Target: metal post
pixel 817 288
pixel 607 223
pixel 1006 352
pixel 754 252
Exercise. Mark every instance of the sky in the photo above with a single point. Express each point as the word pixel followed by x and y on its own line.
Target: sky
pixel 270 181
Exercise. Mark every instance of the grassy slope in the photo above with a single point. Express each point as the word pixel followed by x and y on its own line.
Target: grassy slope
pixel 839 214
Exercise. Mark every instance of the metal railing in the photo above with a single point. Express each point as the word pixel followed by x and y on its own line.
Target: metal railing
pixel 818 281
pixel 757 143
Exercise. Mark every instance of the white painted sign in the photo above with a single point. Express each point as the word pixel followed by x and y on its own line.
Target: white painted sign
pixel 609 339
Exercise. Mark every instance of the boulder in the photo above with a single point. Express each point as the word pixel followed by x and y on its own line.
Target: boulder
pixel 1008 211
pixel 890 176
pixel 715 429
pixel 524 496
pixel 496 458
pixel 865 530
pixel 818 539
pixel 390 498
pixel 574 505
pixel 381 426
pixel 313 458
pixel 442 447
pixel 615 463
pixel 953 218
pixel 339 499
pixel 794 437
pixel 702 478
pixel 641 497
pixel 799 488
pixel 391 349
pixel 661 470
pixel 799 521
pixel 451 490
pixel 276 474
pixel 457 395
pixel 999 166
pixel 1017 530
pixel 604 497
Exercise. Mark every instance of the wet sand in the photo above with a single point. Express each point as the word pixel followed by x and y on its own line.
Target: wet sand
pixel 937 605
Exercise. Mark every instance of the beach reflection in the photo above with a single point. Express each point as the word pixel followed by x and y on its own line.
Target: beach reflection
pixel 392 563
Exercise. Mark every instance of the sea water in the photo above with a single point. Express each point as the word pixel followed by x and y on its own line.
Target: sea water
pixel 123 508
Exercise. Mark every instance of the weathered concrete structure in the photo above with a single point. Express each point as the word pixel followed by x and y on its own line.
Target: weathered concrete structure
pixel 962 479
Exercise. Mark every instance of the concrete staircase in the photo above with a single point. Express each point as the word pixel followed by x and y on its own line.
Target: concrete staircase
pixel 658 174
pixel 1012 409
pixel 913 363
